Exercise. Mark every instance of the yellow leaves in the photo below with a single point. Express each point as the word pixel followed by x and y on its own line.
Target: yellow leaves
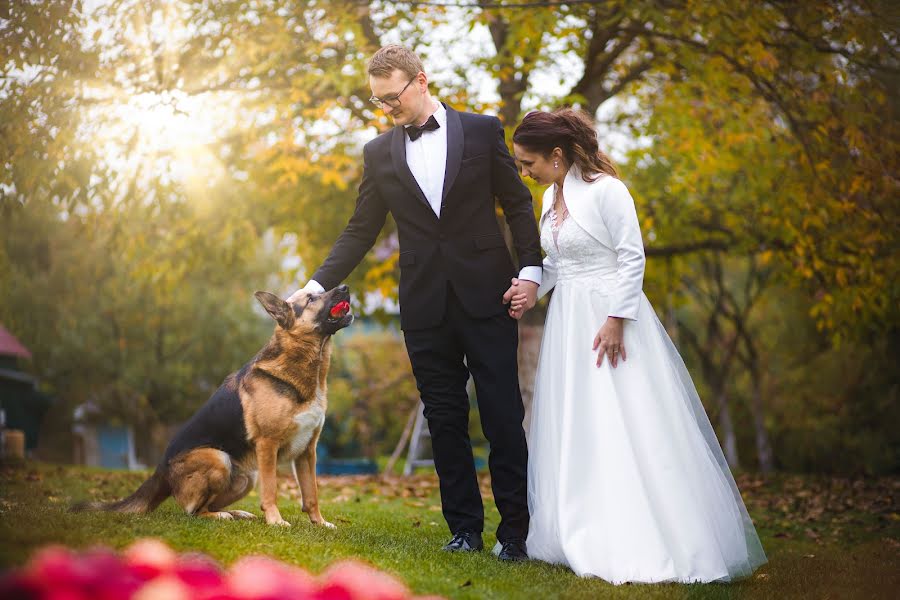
pixel 330 177
pixel 289 168
pixel 299 95
pixel 859 185
pixel 840 276
pixel 382 276
pixel 764 58
pixel 855 138
pixel 337 170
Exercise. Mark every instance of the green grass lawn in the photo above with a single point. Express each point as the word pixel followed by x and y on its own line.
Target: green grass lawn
pixel 825 537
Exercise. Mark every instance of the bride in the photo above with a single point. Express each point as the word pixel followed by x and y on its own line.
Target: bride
pixel 626 479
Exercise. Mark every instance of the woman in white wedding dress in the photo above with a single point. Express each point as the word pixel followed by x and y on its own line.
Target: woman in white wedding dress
pixel 626 479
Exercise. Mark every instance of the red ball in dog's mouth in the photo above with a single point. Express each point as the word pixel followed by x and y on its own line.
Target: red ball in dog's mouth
pixel 340 309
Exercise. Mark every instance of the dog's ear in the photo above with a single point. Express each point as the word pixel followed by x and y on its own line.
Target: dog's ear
pixel 280 310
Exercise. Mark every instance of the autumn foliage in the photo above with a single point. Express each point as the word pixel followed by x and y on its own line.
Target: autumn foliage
pixel 161 161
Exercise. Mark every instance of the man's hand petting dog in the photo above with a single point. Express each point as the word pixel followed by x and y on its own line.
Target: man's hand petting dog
pixel 521 296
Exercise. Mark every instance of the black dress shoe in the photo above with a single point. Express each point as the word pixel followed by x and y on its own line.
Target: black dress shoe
pixel 513 550
pixel 465 541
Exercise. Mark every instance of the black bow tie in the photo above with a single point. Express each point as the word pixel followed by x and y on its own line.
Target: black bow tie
pixel 415 132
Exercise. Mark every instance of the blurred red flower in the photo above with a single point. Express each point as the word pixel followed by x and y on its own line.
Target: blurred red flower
pixel 150 570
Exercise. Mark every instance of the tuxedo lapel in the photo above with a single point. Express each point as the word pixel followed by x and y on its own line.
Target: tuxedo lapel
pixel 398 155
pixel 454 149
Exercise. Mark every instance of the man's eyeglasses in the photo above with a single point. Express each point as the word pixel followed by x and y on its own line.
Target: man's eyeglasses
pixel 393 100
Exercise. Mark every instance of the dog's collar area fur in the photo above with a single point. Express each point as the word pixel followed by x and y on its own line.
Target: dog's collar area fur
pixel 284 364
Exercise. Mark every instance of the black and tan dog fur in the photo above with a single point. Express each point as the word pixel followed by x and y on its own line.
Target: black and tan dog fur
pixel 272 409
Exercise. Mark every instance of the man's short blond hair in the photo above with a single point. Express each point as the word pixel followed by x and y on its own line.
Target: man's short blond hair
pixel 394 57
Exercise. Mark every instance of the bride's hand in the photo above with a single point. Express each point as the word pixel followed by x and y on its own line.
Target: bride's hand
pixel 609 341
pixel 515 298
pixel 518 305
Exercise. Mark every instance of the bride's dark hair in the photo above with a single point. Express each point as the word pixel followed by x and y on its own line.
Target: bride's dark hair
pixel 571 131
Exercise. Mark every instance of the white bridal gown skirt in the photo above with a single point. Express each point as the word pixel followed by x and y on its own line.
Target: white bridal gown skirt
pixel 626 479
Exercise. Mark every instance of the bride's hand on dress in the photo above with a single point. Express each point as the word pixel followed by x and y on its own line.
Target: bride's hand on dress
pixel 609 341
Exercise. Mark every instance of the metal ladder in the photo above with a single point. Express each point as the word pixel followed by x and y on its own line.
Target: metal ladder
pixel 420 432
pixel 416 446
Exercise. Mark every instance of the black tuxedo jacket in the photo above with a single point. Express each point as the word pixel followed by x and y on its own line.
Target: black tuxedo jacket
pixel 464 248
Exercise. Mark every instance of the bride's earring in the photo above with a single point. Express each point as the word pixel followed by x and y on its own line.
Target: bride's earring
pixel 555 164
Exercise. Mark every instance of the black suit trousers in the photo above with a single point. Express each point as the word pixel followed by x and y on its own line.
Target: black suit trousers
pixel 442 358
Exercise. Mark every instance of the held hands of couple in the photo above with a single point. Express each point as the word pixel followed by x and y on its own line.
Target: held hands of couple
pixel 521 296
pixel 609 341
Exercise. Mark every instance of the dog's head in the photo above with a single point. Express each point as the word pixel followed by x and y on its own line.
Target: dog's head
pixel 308 312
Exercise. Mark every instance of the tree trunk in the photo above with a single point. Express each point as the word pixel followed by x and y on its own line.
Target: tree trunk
pixel 726 427
pixel 671 317
pixel 763 447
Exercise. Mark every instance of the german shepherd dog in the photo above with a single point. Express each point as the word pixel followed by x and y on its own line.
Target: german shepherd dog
pixel 271 409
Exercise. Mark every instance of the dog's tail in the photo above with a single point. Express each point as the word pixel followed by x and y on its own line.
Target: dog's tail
pixel 145 499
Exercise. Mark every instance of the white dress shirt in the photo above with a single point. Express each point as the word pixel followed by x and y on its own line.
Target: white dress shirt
pixel 427 160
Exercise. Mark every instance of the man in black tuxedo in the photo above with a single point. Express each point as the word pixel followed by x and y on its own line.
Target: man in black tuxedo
pixel 438 172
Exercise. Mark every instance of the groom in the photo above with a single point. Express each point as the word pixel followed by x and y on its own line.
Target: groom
pixel 438 172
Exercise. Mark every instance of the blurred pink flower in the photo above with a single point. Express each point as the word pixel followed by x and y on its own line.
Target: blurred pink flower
pixel 151 570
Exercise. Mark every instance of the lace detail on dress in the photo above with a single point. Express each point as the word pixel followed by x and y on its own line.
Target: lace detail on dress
pixel 555 224
pixel 578 255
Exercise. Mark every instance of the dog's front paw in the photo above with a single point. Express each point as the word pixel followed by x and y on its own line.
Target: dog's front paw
pixel 328 525
pixel 279 522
